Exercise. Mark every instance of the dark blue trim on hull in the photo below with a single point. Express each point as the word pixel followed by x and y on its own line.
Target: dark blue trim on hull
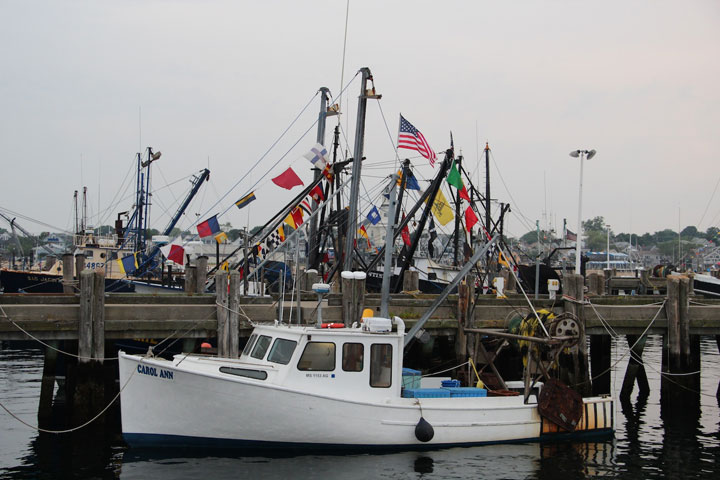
pixel 159 441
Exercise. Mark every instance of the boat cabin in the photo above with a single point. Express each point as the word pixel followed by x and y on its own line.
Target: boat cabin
pixel 341 362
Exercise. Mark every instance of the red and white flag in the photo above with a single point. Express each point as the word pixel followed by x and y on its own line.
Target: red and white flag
pixel 174 251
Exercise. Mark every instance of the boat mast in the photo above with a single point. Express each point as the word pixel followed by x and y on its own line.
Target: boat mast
pixel 313 237
pixel 357 165
pixel 83 225
pixel 487 202
pixel 77 218
pixel 456 240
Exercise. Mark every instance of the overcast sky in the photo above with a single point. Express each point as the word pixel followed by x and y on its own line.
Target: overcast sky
pixel 87 84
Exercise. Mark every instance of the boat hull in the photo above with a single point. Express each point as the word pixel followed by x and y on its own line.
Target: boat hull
pixel 164 403
pixel 21 281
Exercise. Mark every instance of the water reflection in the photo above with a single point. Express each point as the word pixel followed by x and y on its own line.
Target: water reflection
pixel 655 438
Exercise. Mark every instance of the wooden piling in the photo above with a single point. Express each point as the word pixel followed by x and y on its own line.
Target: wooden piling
pixel 635 370
pixel 359 281
pixel 190 279
pixel 88 396
pixel 233 315
pixel 221 298
pixel 47 385
pixel 67 280
pixel 347 297
pixel 201 273
pixel 600 361
pixel 411 281
pixel 672 311
pixel 79 265
pixel 679 357
pixel 87 301
pixel 98 316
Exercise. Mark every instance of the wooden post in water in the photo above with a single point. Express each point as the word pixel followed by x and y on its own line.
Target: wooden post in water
pixel 47 385
pixel 79 265
pixel 411 281
pixel 679 358
pixel 87 285
pixel 67 280
pixel 233 315
pixel 672 311
pixel 88 398
pixel 190 279
pixel 635 369
pixel 201 273
pixel 600 361
pixel 221 297
pixel 98 316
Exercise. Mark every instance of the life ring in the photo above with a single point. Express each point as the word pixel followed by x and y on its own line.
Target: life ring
pixel 332 325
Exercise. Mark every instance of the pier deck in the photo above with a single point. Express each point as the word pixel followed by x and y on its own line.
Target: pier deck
pixel 56 317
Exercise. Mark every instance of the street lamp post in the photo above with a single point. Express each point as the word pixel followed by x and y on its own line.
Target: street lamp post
pixel 582 154
pixel 608 246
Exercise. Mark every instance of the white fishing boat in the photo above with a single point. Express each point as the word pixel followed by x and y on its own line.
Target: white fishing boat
pixel 343 385
pixel 303 386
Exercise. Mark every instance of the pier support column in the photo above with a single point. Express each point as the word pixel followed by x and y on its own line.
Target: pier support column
pixel 678 390
pixel 79 266
pixel 353 296
pixel 47 386
pixel 635 369
pixel 600 354
pixel 88 398
pixel 67 280
pixel 191 279
pixel 221 298
pixel 201 273
pixel 411 281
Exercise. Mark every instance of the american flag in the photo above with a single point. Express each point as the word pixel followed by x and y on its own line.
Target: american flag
pixel 410 137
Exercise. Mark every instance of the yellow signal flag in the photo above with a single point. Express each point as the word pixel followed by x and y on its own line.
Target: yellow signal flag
pixel 290 221
pixel 441 210
pixel 221 237
pixel 502 260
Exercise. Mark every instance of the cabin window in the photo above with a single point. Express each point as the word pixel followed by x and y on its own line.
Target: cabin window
pixel 380 365
pixel 353 355
pixel 261 347
pixel 88 254
pixel 318 357
pixel 281 351
pixel 249 344
pixel 245 372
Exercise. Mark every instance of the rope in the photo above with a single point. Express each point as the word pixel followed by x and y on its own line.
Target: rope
pixel 447 370
pixel 241 312
pixel 69 430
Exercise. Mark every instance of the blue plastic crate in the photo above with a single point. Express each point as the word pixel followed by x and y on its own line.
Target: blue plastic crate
pixel 450 383
pixel 466 391
pixel 425 393
pixel 411 378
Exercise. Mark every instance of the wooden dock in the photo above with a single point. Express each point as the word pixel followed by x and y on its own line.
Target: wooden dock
pixel 92 317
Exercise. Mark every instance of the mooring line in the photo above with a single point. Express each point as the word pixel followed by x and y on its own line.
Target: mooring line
pixel 69 430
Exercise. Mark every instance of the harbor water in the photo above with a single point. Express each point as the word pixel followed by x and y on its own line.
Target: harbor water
pixel 650 442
